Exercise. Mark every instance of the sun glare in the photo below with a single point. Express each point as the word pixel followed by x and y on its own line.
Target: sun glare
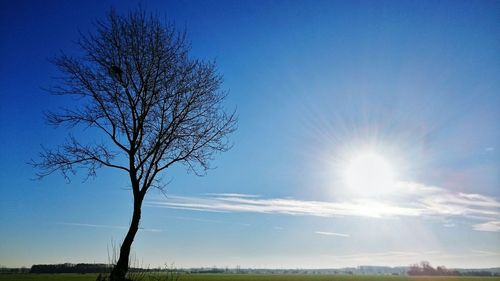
pixel 369 173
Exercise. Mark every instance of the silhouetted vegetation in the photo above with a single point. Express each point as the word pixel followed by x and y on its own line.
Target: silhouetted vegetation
pixel 70 268
pixel 425 269
pixel 174 273
pixel 4 269
pixel 155 105
pixel 479 273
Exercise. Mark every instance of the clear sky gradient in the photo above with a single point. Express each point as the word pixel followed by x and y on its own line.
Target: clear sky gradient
pixel 314 82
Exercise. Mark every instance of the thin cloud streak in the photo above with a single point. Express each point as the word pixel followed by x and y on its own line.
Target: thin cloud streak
pixel 361 208
pixel 106 226
pixel 410 257
pixel 241 195
pixel 411 200
pixel 485 253
pixel 207 220
pixel 90 225
pixel 369 256
pixel 492 226
pixel 332 233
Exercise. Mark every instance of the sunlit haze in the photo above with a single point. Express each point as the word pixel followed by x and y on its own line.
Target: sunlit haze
pixel 368 173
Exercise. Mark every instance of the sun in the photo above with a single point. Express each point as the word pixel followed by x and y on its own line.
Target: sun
pixel 369 173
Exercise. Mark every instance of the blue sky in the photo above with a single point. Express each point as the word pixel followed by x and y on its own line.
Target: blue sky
pixel 314 84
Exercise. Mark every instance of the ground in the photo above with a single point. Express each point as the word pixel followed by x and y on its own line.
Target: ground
pixel 244 277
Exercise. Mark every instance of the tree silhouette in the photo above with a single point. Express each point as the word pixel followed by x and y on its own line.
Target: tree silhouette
pixel 137 85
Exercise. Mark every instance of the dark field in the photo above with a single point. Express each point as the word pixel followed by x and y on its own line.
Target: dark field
pixel 243 277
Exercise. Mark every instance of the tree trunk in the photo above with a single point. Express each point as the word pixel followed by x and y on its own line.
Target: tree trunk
pixel 120 269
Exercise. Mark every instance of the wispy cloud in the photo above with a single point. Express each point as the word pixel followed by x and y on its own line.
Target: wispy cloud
pixel 151 229
pixel 485 253
pixel 90 225
pixel 208 220
pixel 364 208
pixel 493 226
pixel 400 257
pixel 378 255
pixel 449 224
pixel 411 200
pixel 232 195
pixel 331 233
pixel 106 226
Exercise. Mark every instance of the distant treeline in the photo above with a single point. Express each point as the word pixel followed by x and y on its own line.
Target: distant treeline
pixel 23 269
pixel 83 268
pixel 71 268
pixel 425 269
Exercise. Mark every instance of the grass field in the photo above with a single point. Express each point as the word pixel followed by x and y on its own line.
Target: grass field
pixel 244 277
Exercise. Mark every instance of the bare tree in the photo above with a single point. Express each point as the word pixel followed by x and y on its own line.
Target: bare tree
pixel 156 106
